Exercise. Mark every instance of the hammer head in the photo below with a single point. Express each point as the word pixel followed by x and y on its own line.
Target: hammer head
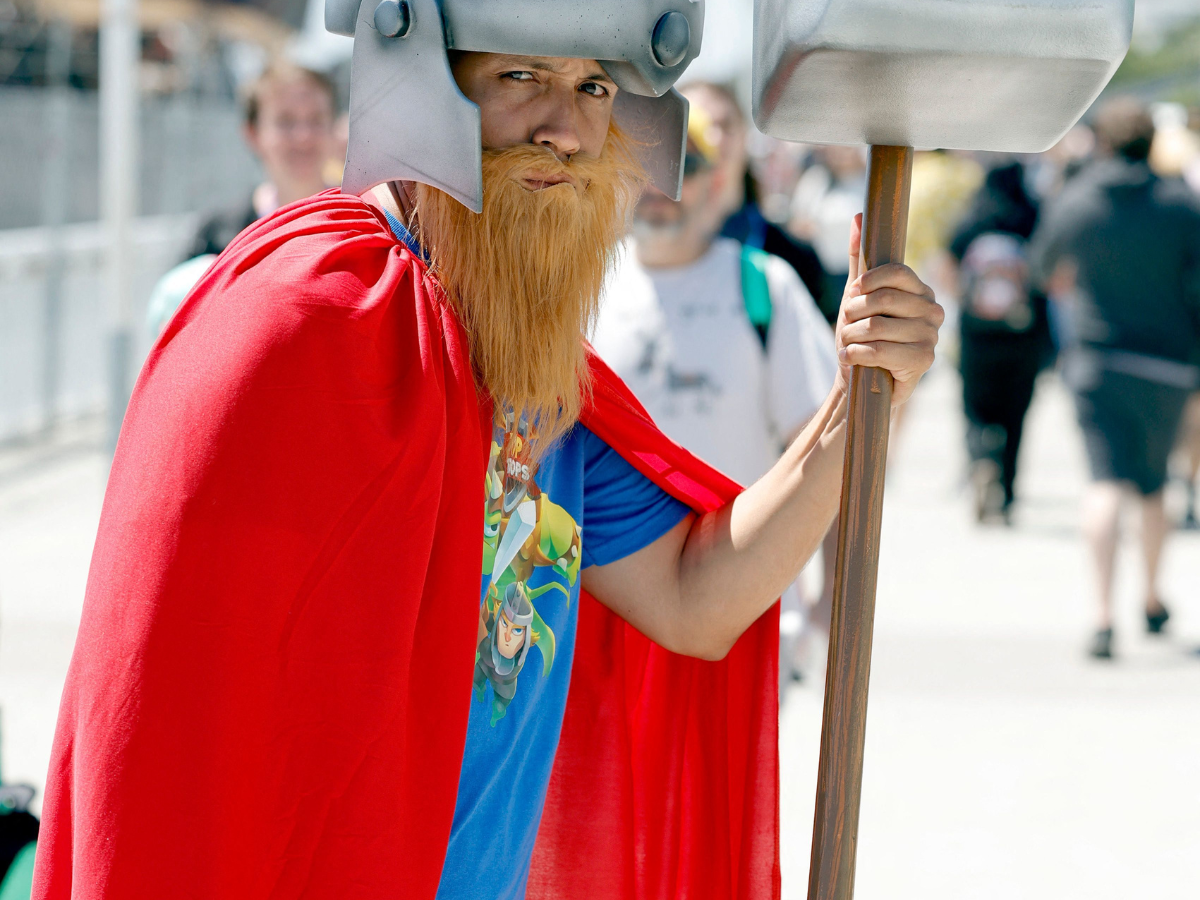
pixel 1008 75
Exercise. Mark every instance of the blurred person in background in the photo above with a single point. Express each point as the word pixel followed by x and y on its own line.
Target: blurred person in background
pixel 1048 172
pixel 943 184
pixel 1003 330
pixel 1175 153
pixel 828 196
pixel 290 125
pixel 776 167
pixel 746 223
pixel 943 187
pixel 1126 244
pixel 1046 175
pixel 290 113
pixel 720 341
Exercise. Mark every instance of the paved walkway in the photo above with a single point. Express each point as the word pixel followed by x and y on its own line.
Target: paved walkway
pixel 49 509
pixel 1000 763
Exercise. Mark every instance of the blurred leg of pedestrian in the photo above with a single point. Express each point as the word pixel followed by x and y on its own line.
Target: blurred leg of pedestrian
pixel 1154 536
pixel 1129 427
pixel 1189 449
pixel 998 372
pixel 1101 529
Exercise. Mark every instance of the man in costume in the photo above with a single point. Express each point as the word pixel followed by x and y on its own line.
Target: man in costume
pixel 272 690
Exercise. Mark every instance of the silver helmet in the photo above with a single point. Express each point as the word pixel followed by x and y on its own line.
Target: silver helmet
pixel 409 121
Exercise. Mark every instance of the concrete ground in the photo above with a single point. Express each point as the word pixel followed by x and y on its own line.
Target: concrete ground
pixel 1000 763
pixel 49 508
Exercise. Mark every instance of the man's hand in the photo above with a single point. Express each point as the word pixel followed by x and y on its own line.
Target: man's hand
pixel 888 320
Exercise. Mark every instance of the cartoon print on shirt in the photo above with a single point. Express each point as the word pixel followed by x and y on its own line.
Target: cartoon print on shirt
pixel 523 530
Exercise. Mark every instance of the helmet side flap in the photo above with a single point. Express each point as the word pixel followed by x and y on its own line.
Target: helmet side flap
pixel 658 127
pixel 408 119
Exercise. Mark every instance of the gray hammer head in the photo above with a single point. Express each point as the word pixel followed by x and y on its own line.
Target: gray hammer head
pixel 1010 75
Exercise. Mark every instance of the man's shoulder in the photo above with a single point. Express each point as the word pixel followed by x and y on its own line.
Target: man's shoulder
pixel 1175 193
pixel 774 266
pixel 785 284
pixel 329 216
pixel 725 258
pixel 331 258
pixel 318 298
pixel 331 240
pixel 723 247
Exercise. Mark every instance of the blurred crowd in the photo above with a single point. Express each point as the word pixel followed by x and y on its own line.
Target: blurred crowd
pixel 1084 260
pixel 1079 265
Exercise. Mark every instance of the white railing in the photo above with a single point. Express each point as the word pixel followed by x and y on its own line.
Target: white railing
pixel 54 317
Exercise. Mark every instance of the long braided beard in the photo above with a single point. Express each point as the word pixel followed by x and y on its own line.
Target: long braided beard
pixel 525 275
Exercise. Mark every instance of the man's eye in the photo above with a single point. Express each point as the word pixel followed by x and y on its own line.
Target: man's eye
pixel 594 88
pixel 518 76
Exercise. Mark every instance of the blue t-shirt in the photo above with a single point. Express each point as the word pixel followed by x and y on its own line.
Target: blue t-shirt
pixel 581 505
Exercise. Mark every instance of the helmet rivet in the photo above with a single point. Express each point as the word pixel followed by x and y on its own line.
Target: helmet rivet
pixel 671 38
pixel 393 18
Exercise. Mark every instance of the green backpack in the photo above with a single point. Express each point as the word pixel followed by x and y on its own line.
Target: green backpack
pixel 756 294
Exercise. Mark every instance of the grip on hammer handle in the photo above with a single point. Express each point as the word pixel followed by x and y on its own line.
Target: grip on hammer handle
pixel 839 778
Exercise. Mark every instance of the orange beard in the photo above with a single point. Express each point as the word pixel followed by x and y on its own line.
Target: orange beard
pixel 525 275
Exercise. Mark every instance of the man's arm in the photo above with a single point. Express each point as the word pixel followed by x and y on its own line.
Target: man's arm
pixel 697 588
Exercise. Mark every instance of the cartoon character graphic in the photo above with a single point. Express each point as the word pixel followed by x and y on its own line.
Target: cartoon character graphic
pixel 509 628
pixel 554 540
pixel 524 530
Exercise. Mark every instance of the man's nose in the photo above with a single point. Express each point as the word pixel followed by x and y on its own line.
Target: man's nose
pixel 557 128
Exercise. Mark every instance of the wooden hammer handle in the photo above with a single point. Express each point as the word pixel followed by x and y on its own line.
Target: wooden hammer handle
pixel 843 727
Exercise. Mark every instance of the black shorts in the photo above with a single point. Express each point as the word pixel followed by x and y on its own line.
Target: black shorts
pixel 1129 426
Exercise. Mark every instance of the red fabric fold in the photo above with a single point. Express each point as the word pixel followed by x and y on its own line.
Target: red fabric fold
pixel 266 694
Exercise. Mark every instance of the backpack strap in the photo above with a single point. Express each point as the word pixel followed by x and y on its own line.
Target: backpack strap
pixel 756 294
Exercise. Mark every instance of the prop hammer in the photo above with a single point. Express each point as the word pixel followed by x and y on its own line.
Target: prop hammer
pixel 1002 75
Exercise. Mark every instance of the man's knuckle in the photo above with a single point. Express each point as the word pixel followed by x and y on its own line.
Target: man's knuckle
pixel 878 301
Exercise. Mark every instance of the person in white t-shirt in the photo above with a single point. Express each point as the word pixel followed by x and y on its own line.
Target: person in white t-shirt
pixel 723 345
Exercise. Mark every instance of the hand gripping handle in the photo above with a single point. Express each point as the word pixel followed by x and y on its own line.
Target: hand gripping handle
pixel 839 777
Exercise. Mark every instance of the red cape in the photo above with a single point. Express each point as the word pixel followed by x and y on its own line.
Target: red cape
pixel 266 698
